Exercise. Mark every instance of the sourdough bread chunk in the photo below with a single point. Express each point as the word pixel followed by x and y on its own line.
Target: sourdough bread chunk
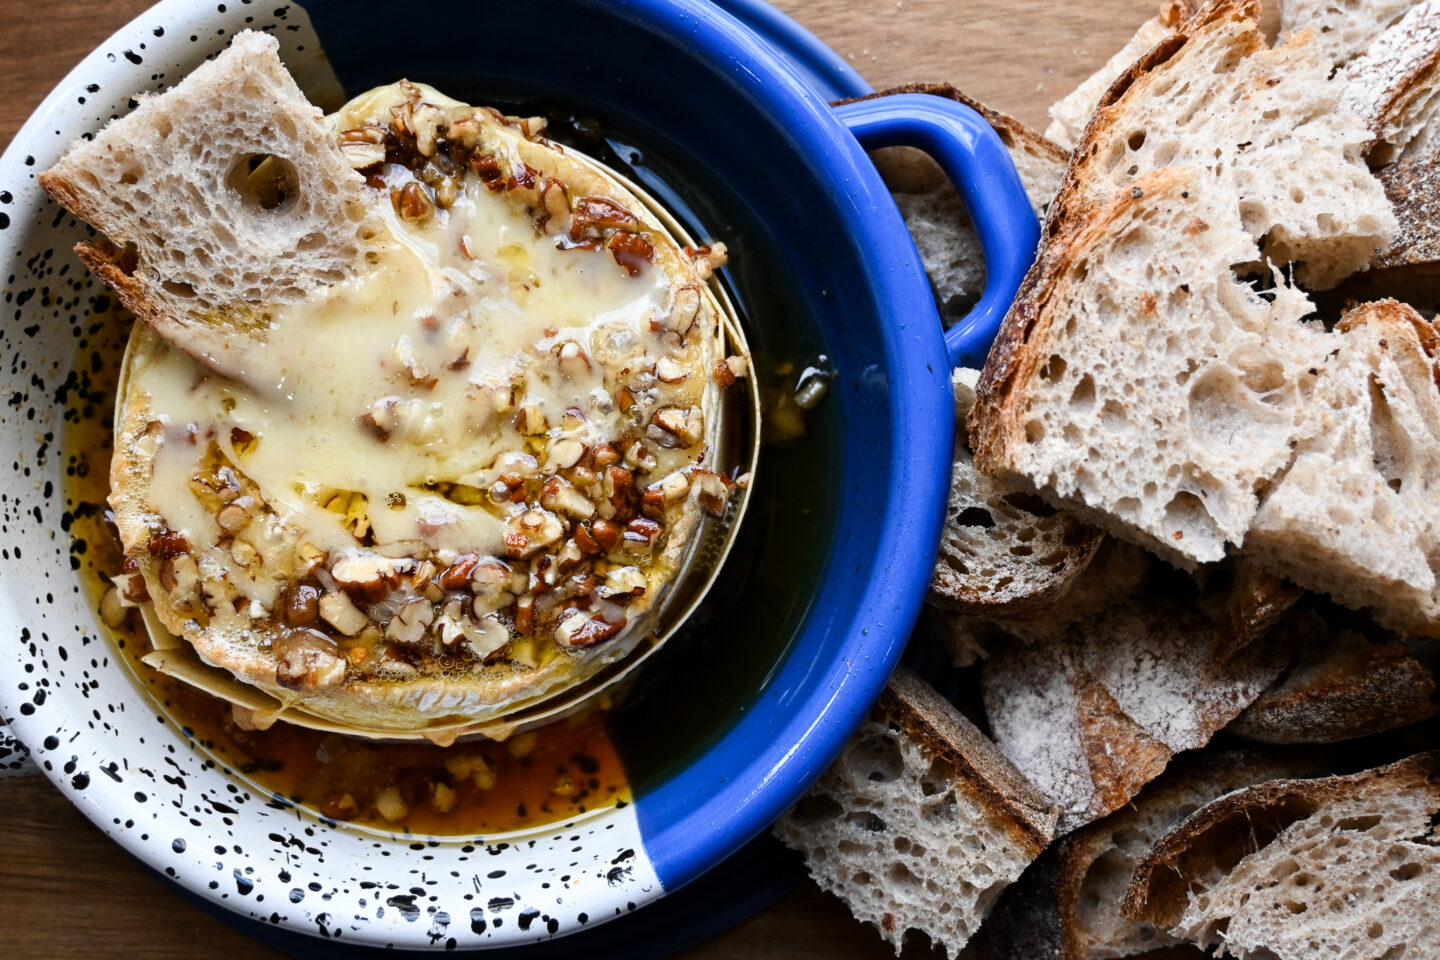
pixel 934 213
pixel 1117 572
pixel 1066 906
pixel 233 195
pixel 1343 685
pixel 1093 715
pixel 920 823
pixel 459 481
pixel 1342 29
pixel 1267 127
pixel 1413 188
pixel 1394 85
pixel 1245 600
pixel 1069 115
pixel 1357 515
pixel 1295 869
pixel 1139 383
pixel 1003 552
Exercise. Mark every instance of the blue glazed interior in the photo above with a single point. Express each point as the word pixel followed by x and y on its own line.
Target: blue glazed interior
pixel 689 82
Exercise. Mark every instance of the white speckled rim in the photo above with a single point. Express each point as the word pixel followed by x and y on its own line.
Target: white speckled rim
pixel 128 766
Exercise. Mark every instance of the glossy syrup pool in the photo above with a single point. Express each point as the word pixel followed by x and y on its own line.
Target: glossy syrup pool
pixel 676 705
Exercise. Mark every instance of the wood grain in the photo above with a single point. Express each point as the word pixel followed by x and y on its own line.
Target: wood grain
pixel 70 892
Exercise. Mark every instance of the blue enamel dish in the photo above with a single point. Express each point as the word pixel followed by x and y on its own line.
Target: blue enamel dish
pixel 814 607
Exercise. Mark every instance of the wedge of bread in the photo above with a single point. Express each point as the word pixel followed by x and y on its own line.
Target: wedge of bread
pixel 1265 125
pixel 1139 382
pixel 1066 906
pixel 1355 515
pixel 1394 85
pixel 1004 552
pixel 1343 685
pixel 1295 869
pixel 1343 30
pixel 224 191
pixel 921 822
pixel 1093 715
pixel 1070 114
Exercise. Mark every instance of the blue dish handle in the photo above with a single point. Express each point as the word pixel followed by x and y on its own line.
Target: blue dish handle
pixel 971 154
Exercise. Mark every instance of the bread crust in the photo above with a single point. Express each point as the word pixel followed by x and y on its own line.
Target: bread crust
pixel 1070 206
pixel 1223 831
pixel 1392 84
pixel 1344 686
pixel 1413 187
pixel 1041 916
pixel 1094 715
pixel 994 423
pixel 932 722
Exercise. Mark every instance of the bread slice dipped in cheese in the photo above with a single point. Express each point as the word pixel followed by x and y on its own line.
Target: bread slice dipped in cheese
pixel 417 427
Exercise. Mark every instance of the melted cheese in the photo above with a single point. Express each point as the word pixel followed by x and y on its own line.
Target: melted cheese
pixel 431 339
pixel 435 409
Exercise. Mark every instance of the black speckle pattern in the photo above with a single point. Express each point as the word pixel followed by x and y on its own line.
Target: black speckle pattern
pixel 14 758
pixel 67 694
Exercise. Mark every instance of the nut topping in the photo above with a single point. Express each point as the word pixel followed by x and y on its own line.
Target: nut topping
pixel 368 577
pixel 559 494
pixel 592 215
pixel 530 532
pixel 412 203
pixel 340 612
pixel 308 660
pixel 411 621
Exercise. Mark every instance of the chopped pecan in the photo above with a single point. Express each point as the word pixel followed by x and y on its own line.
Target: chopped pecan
pixel 559 494
pixel 631 250
pixel 607 533
pixel 300 605
pixel 579 630
pixel 369 577
pixel 591 215
pixel 412 203
pixel 307 660
pixel 724 376
pixel 167 543
pixel 586 541
pixel 487 168
pixel 338 610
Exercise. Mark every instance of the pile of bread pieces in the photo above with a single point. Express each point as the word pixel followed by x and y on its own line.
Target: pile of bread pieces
pixel 1186 605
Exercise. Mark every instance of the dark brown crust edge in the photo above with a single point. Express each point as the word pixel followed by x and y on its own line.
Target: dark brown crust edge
pixel 1038 918
pixel 1067 208
pixel 1243 822
pixel 993 422
pixel 934 723
pixel 1413 188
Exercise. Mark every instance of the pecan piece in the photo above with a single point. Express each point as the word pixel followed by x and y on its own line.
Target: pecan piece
pixel 308 660
pixel 592 215
pixel 631 250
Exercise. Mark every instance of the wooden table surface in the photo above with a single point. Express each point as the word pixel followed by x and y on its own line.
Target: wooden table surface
pixel 69 892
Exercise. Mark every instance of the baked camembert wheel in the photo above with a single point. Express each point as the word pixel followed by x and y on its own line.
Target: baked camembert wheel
pixel 458 481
